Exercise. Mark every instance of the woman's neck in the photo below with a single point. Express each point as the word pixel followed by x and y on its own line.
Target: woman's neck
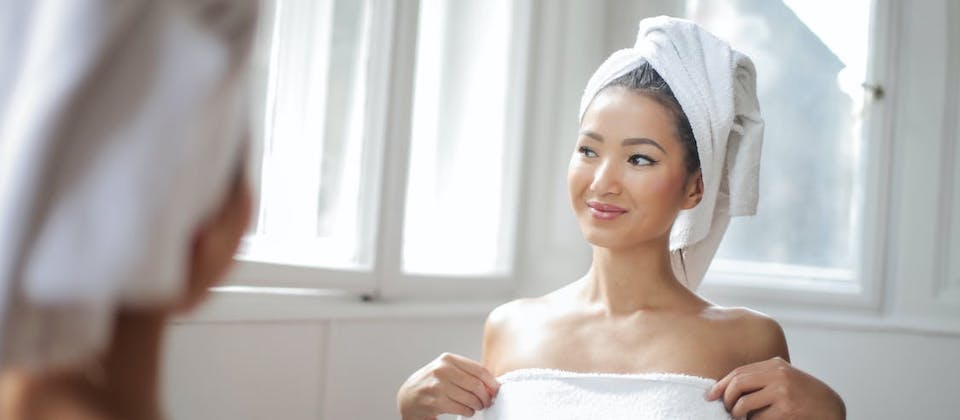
pixel 131 367
pixel 629 280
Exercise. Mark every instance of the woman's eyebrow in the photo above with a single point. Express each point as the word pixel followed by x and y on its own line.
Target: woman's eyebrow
pixel 642 140
pixel 626 142
pixel 592 135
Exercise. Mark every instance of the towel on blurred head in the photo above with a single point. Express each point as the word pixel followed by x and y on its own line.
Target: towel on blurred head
pixel 122 128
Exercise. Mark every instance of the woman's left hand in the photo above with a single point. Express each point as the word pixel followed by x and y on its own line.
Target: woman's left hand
pixel 774 389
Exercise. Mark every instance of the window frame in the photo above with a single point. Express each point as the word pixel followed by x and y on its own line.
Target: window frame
pixel 387 125
pixel 866 290
pixel 389 120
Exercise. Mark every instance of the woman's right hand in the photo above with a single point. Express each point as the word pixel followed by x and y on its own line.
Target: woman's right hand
pixel 450 384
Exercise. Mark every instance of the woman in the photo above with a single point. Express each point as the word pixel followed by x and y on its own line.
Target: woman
pixel 657 170
pixel 125 383
pixel 123 194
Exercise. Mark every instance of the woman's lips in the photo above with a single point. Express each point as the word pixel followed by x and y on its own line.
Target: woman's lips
pixel 604 211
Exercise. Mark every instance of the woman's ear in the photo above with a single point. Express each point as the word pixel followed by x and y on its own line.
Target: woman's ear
pixel 216 241
pixel 693 192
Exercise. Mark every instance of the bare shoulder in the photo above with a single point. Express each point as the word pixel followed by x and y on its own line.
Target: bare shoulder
pixel 509 326
pixel 503 323
pixel 502 318
pixel 26 396
pixel 523 312
pixel 758 336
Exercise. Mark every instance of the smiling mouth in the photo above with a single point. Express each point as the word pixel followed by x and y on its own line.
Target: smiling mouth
pixel 605 211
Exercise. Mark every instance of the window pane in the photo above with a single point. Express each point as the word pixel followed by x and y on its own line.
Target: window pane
pixel 456 219
pixel 811 59
pixel 314 166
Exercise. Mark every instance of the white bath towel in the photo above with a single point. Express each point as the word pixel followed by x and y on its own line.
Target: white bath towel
pixel 532 394
pixel 716 87
pixel 122 126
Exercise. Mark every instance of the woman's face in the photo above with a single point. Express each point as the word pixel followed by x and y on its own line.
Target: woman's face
pixel 627 175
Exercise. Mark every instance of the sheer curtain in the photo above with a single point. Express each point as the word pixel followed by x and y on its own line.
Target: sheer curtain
pixel 459 216
pixel 314 175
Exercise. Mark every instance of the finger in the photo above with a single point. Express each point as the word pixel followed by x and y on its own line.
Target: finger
pixel 752 402
pixel 744 384
pixel 464 397
pixel 448 406
pixel 766 413
pixel 468 383
pixel 721 385
pixel 475 369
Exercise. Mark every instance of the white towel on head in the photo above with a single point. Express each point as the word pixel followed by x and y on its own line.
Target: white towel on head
pixel 560 395
pixel 121 129
pixel 716 87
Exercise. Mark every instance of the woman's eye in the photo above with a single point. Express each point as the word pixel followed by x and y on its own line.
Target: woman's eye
pixel 586 152
pixel 640 160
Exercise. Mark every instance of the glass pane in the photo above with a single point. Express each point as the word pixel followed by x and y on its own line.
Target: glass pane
pixel 456 221
pixel 313 170
pixel 811 59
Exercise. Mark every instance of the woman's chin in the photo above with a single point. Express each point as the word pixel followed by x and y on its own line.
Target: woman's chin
pixel 606 239
pixel 619 239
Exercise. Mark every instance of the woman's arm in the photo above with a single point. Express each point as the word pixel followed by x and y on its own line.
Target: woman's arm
pixel 771 388
pixel 774 389
pixel 453 384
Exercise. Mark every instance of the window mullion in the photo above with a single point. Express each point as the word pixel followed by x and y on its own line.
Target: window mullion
pixel 401 57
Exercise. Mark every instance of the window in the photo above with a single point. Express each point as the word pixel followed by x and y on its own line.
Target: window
pixel 365 182
pixel 458 218
pixel 317 157
pixel 808 228
pixel 389 152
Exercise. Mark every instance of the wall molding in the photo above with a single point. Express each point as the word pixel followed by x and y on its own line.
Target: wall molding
pixel 871 324
pixel 290 308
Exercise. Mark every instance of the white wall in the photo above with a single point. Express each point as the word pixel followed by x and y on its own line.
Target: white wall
pixel 882 374
pixel 285 357
pixel 336 364
pixel 351 368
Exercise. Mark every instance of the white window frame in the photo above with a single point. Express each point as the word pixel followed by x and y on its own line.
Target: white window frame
pixel 947 259
pixel 760 285
pixel 394 25
pixel 388 118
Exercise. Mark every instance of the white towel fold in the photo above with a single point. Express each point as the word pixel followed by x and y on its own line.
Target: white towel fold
pixel 716 87
pixel 531 394
pixel 122 125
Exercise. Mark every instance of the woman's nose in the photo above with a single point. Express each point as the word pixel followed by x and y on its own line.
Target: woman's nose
pixel 606 179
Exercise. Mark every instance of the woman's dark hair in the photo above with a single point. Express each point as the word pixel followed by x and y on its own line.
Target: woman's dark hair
pixel 646 81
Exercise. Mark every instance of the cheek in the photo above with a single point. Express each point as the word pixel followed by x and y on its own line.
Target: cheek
pixel 658 189
pixel 579 177
pixel 666 187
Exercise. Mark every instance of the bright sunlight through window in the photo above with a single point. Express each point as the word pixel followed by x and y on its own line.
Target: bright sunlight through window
pixel 315 180
pixel 811 59
pixel 457 219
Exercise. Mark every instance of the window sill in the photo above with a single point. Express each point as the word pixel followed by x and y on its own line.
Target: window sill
pixel 232 305
pixel 893 324
pixel 811 293
pixel 241 304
